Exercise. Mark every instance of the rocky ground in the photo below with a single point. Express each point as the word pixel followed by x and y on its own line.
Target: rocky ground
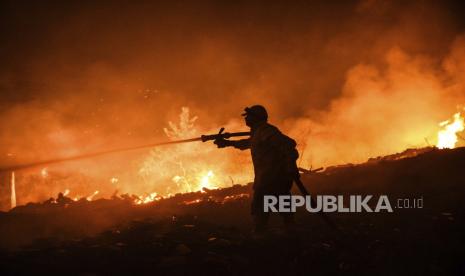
pixel 209 233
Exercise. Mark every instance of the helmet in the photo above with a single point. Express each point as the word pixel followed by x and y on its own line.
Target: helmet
pixel 257 111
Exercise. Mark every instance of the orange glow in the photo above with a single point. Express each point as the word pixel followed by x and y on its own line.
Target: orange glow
pixel 44 172
pixel 206 181
pixel 195 201
pixel 189 167
pixel 89 198
pixel 147 199
pixel 377 86
pixel 447 136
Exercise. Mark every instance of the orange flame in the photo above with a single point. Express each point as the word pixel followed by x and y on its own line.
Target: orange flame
pixel 89 198
pixel 447 137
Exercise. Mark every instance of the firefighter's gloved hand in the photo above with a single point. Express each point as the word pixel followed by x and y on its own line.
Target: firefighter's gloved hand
pixel 222 143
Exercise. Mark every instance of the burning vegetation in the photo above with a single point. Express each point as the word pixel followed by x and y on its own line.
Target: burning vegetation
pixel 449 134
pixel 187 168
pixel 383 105
pixel 344 100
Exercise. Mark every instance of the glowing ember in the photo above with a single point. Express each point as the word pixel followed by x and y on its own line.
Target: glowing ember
pixel 447 137
pixel 147 199
pixel 66 192
pixel 89 198
pixel 114 180
pixel 13 190
pixel 192 202
pixel 235 197
pixel 44 172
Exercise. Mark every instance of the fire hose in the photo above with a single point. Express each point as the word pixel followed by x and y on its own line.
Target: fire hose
pixel 203 138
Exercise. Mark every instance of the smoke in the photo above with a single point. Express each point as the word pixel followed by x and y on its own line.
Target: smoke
pixel 348 80
pixel 386 110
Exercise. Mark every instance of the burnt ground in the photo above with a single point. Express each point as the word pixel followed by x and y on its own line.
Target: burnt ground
pixel 209 233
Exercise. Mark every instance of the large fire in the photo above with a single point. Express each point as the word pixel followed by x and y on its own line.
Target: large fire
pixel 189 167
pixel 160 173
pixel 447 136
pixel 193 167
pixel 196 176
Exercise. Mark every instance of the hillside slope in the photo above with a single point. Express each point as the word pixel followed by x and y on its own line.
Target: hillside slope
pixel 209 233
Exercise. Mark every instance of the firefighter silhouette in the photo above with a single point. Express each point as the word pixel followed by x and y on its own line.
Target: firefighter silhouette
pixel 274 158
